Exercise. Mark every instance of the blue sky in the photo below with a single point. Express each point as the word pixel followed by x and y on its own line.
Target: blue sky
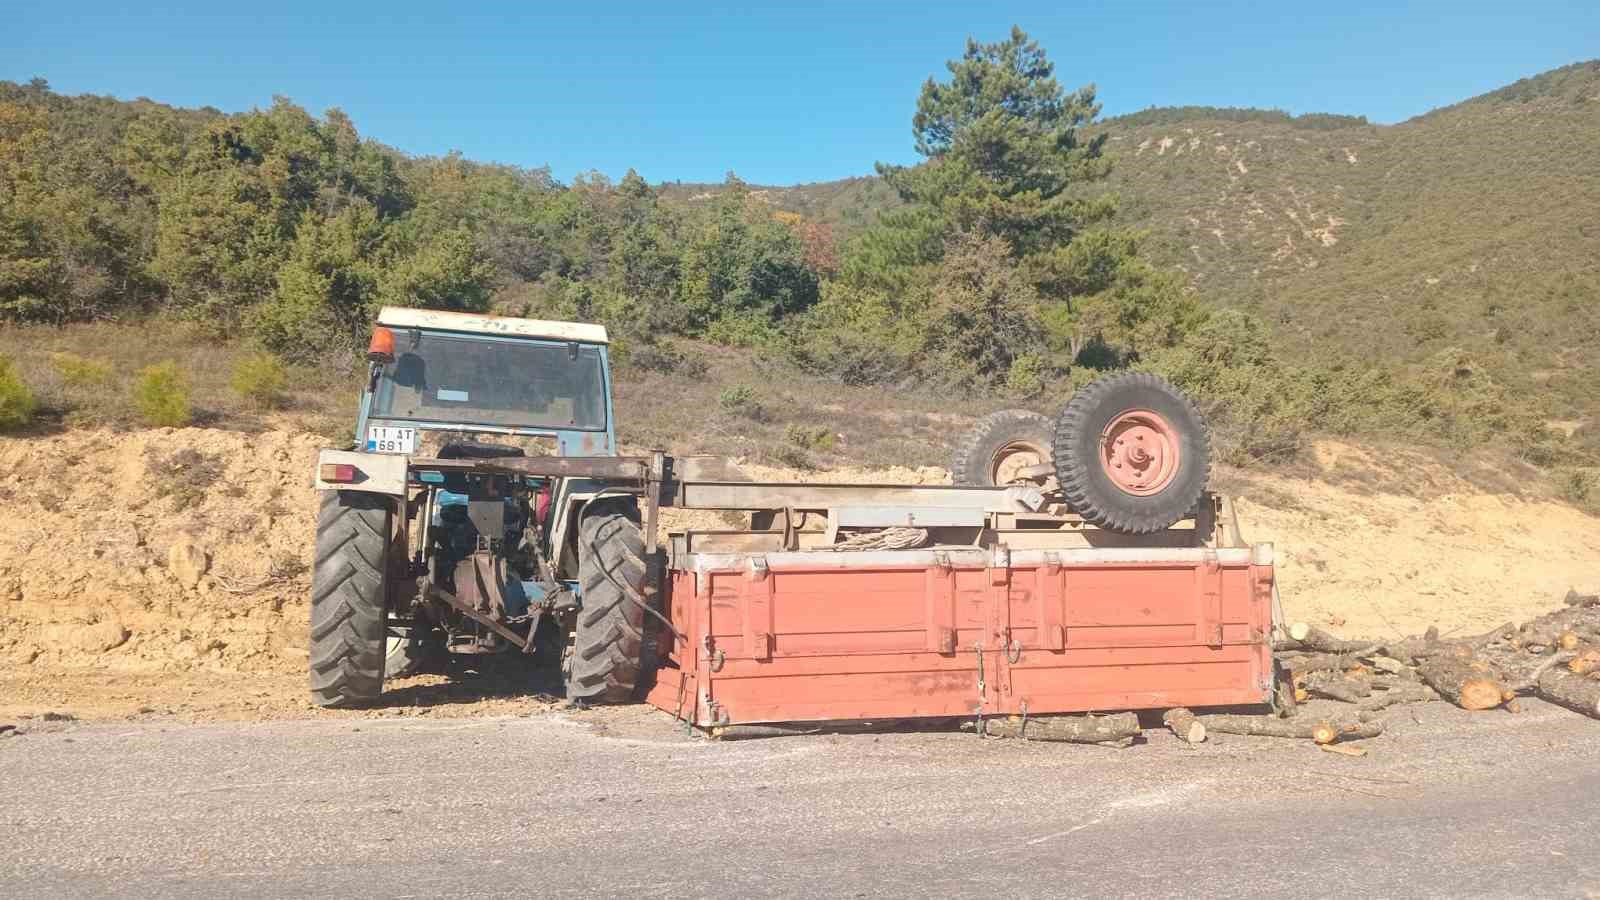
pixel 780 94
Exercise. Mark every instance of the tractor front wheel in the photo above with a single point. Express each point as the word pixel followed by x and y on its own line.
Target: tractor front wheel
pixel 604 666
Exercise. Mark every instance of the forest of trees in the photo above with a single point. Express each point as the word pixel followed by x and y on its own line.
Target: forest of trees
pixel 291 230
pixel 1002 269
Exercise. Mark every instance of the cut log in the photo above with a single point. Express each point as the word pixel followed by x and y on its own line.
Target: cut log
pixel 1389 664
pixel 1587 660
pixel 1582 600
pixel 1071 729
pixel 1550 629
pixel 1338 687
pixel 1567 640
pixel 1413 650
pixel 1465 682
pixel 1405 693
pixel 1575 692
pixel 1184 724
pixel 1323 662
pixel 1271 726
pixel 1314 638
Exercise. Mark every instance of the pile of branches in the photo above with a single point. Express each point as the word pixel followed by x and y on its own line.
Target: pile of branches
pixel 1555 657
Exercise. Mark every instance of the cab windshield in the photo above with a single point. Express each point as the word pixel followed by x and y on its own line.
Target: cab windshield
pixel 467 381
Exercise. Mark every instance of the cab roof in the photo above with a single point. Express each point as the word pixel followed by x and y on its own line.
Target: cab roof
pixel 473 323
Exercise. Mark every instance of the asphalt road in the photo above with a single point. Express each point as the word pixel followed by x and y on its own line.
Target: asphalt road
pixel 622 803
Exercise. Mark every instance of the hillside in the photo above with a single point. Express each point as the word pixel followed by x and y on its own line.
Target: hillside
pixel 1473 226
pixel 1432 282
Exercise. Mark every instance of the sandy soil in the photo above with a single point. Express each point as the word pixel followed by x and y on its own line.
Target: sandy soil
pixel 165 573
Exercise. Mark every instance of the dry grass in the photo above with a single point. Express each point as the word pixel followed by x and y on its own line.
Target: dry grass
pixel 865 426
pixel 321 400
pixel 877 426
pixel 868 425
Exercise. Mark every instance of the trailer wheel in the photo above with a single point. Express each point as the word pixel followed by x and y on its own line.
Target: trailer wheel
pixel 348 583
pixel 604 666
pixel 1132 453
pixel 999 445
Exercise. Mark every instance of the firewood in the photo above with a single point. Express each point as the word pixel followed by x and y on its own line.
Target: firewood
pixel 1492 636
pixel 1388 664
pixel 1338 687
pixel 1568 640
pixel 1407 693
pixel 1463 682
pixel 1321 731
pixel 1519 678
pixel 1582 600
pixel 1575 692
pixel 1072 729
pixel 1314 638
pixel 1356 731
pixel 1184 724
pixel 1415 649
pixel 1323 662
pixel 1550 629
pixel 1587 660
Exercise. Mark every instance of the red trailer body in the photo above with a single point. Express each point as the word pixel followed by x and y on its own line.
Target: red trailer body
pixel 824 635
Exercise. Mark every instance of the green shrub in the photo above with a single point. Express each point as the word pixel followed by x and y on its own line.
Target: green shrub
pixel 1027 376
pixel 1577 487
pixel 792 457
pixel 740 400
pixel 260 379
pixel 660 357
pixel 81 372
pixel 17 404
pixel 810 437
pixel 161 396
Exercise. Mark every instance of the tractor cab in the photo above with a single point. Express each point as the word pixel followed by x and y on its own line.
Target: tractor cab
pixel 468 374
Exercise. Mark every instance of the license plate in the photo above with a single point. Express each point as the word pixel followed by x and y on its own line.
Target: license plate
pixel 391 439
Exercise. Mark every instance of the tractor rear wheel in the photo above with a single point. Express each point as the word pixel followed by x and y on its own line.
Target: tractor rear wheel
pixel 604 666
pixel 1132 453
pixel 999 445
pixel 348 585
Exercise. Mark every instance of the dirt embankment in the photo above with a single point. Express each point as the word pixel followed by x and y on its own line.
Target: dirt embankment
pixel 169 569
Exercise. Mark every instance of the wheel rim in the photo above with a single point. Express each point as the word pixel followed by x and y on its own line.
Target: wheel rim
pixel 1140 452
pixel 1012 458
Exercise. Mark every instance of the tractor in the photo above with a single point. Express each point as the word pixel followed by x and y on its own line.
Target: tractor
pixel 430 539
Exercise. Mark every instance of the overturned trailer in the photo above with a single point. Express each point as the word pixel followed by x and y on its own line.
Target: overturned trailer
pixel 975 604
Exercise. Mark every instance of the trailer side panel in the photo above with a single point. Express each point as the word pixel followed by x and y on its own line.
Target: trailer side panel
pixel 815 636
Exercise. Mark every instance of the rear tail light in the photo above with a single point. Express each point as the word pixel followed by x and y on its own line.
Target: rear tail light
pixel 338 473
